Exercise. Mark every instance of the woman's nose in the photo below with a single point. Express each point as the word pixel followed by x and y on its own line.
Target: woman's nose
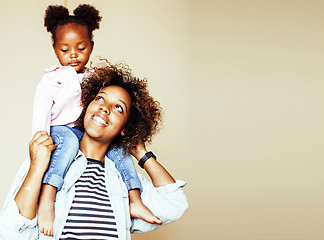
pixel 104 109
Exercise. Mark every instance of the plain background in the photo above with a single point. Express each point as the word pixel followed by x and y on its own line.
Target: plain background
pixel 241 83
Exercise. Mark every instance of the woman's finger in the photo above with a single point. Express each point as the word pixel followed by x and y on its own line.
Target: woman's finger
pixel 38 134
pixel 38 138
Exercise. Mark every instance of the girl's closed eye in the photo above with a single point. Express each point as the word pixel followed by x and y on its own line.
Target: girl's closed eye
pixel 82 49
pixel 64 50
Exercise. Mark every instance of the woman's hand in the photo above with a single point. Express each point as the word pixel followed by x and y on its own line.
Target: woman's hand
pixel 158 174
pixel 40 148
pixel 139 151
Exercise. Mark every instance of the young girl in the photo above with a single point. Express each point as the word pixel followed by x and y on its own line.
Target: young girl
pixel 57 107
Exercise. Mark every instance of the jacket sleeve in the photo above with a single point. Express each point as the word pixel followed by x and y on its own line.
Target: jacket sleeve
pixel 167 203
pixel 12 224
pixel 42 108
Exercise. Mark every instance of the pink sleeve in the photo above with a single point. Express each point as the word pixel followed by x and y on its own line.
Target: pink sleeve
pixel 43 103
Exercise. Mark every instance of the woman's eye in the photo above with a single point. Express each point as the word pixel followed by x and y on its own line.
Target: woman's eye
pixel 99 99
pixel 119 108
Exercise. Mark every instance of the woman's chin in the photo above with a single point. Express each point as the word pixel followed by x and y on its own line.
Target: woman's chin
pixel 95 135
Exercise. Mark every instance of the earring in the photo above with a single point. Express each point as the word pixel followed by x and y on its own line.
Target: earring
pixel 122 133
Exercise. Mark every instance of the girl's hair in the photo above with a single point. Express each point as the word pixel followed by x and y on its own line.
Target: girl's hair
pixel 58 16
pixel 145 113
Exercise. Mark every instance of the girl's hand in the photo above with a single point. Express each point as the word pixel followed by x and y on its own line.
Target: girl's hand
pixel 40 148
pixel 139 151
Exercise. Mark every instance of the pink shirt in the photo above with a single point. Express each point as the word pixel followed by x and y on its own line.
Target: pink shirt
pixel 57 99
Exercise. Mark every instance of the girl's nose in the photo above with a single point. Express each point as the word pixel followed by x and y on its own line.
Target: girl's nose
pixel 104 109
pixel 74 54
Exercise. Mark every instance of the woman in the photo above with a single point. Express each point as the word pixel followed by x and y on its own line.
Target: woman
pixel 93 202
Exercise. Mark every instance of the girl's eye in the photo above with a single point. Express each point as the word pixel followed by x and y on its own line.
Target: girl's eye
pixel 64 50
pixel 82 49
pixel 119 108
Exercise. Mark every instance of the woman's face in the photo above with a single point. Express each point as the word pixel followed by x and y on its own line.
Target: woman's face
pixel 107 114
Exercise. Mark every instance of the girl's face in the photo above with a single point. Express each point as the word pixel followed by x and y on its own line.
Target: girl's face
pixel 73 46
pixel 107 114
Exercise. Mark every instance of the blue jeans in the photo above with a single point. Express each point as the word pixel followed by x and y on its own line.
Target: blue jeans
pixel 67 141
pixel 126 168
pixel 67 146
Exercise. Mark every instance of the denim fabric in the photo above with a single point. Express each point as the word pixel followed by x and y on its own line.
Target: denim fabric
pixel 67 148
pixel 67 141
pixel 77 132
pixel 126 168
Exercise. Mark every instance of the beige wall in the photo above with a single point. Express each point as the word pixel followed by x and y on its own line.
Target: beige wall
pixel 242 85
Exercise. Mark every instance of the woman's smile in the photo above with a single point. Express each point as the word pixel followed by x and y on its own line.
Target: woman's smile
pixel 99 119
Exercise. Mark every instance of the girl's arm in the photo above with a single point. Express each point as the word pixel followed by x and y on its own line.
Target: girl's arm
pixel 158 174
pixel 42 106
pixel 40 148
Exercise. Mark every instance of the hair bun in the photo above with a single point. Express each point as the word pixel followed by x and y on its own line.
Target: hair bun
pixel 53 15
pixel 88 14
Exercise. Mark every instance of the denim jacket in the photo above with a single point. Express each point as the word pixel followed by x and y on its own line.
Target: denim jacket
pixel 167 203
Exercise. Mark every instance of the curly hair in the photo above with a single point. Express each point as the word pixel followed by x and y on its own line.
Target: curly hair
pixel 145 113
pixel 57 16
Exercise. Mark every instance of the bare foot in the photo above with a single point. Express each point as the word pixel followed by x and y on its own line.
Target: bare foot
pixel 139 210
pixel 46 211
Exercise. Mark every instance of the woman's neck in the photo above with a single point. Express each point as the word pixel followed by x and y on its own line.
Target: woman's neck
pixel 93 149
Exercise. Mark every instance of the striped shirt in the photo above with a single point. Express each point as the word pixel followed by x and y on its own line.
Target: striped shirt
pixel 91 215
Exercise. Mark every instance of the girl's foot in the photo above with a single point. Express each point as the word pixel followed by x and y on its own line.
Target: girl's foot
pixel 139 210
pixel 45 218
pixel 46 210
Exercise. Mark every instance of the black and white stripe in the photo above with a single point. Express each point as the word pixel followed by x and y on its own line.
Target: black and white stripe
pixel 91 215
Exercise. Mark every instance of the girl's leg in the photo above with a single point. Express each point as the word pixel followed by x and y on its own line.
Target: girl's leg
pixel 67 146
pixel 78 133
pixel 62 157
pixel 125 166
